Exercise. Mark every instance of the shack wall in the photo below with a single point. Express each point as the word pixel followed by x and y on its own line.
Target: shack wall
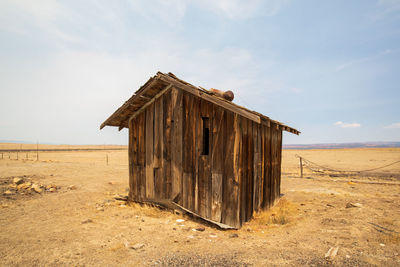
pixel 239 175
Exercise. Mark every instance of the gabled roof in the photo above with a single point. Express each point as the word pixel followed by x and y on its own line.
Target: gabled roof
pixel 160 83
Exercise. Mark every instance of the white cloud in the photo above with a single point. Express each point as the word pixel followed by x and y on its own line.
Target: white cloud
pixel 243 9
pixel 393 126
pixel 347 125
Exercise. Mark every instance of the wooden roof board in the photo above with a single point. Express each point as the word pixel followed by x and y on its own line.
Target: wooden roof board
pixel 159 82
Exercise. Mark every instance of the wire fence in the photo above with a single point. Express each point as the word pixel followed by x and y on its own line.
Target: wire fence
pixel 103 157
pixel 319 168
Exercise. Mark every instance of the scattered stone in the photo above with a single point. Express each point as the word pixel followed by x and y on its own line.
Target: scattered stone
pixel 180 220
pixel 36 188
pixel 71 187
pixel 4 206
pixel 332 252
pixel 177 212
pixel 122 206
pixel 213 235
pixel 200 229
pixel 353 205
pixel 190 236
pixel 135 246
pixel 121 197
pixel 100 209
pixel 382 245
pixel 12 186
pixel 87 221
pixel 174 229
pixel 17 180
pixel 330 205
pixel 112 182
pixel 52 189
pixel 234 235
pixel 24 186
pixel 8 192
pixel 347 256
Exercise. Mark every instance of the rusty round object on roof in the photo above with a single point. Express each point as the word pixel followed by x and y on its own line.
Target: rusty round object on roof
pixel 228 95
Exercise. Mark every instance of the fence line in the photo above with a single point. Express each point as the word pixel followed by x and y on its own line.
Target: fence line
pixel 309 164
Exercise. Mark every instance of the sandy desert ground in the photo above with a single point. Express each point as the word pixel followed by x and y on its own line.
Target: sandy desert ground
pixel 76 220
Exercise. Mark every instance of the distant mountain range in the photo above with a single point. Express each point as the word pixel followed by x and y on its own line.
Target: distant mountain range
pixel 344 145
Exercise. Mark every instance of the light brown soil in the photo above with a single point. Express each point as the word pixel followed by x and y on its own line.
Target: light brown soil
pixel 86 226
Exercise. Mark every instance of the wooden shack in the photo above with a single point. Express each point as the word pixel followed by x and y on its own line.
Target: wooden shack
pixel 219 160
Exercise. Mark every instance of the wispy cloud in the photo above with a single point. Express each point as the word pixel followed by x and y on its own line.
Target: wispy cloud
pixel 395 125
pixel 347 125
pixel 362 60
pixel 243 9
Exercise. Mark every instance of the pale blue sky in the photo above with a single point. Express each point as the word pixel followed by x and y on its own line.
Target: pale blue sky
pixel 331 69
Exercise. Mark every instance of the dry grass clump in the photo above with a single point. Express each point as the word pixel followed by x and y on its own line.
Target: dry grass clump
pixel 150 211
pixel 280 214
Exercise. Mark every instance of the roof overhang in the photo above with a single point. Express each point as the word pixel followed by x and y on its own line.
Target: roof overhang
pixel 161 83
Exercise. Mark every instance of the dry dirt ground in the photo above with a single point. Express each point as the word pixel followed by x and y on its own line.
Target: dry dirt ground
pixel 83 225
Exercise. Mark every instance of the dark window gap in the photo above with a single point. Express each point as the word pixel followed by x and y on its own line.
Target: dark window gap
pixel 206 136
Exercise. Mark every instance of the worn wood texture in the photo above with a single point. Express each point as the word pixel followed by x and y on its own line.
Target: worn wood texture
pixel 150 151
pixel 176 143
pixel 166 153
pixel 159 181
pixel 217 155
pixel 141 125
pixel 204 169
pixel 240 174
pixel 229 185
pixel 197 142
pixel 188 153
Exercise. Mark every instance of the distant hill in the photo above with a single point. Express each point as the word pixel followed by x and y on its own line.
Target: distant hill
pixel 343 145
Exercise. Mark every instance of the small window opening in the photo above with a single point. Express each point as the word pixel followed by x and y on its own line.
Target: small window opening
pixel 206 136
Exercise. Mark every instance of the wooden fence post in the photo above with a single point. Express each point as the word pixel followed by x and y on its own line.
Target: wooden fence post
pixel 301 167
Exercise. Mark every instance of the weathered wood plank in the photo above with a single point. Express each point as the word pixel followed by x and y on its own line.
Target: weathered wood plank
pixel 250 155
pixel 259 167
pixel 197 141
pixel 176 143
pixel 230 187
pixel 256 165
pixel 217 154
pixel 272 166
pixel 141 122
pixel 166 155
pixel 267 168
pixel 262 179
pixel 150 151
pixel 188 151
pixel 130 160
pixel 244 180
pixel 204 171
pixel 159 182
pixel 279 165
pixel 236 169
